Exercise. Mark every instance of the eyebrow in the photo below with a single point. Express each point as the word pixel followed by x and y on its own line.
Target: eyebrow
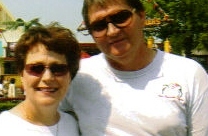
pixel 100 18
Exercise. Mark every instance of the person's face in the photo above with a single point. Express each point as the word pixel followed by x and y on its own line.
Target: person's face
pixel 118 42
pixel 48 86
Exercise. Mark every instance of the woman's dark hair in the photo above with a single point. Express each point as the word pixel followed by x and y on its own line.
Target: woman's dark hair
pixel 55 38
pixel 137 4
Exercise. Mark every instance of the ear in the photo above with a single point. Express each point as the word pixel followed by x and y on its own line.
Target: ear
pixel 142 15
pixel 142 18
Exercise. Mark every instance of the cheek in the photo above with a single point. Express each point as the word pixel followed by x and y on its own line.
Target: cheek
pixel 65 81
pixel 101 44
pixel 100 41
pixel 28 81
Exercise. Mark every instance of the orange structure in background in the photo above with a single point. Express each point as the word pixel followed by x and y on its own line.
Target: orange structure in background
pixel 150 42
pixel 167 46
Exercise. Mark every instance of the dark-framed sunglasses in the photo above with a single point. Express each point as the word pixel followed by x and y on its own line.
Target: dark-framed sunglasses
pixel 119 19
pixel 39 69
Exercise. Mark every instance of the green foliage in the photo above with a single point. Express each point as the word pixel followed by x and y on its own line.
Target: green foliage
pixel 21 23
pixel 189 30
pixel 202 41
pixel 7 105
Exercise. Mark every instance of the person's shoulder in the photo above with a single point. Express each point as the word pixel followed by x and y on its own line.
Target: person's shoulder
pixel 4 114
pixel 68 116
pixel 4 122
pixel 69 123
pixel 181 60
pixel 181 63
pixel 5 117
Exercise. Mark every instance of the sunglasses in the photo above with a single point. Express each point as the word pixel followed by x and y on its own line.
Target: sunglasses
pixel 120 19
pixel 39 69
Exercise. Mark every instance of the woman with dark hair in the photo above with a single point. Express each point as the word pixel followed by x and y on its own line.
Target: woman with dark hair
pixel 47 60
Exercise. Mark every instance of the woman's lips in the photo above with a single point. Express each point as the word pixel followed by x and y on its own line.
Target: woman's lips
pixel 47 89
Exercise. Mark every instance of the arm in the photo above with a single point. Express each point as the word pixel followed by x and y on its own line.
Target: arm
pixel 198 105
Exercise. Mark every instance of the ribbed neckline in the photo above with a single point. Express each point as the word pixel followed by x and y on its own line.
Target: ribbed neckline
pixel 133 74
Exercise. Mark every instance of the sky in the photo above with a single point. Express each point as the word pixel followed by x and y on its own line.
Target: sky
pixel 66 12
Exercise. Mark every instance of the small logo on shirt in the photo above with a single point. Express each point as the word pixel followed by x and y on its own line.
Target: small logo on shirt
pixel 172 90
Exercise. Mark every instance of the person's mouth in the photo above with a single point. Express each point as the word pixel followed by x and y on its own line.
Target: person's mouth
pixel 114 42
pixel 47 89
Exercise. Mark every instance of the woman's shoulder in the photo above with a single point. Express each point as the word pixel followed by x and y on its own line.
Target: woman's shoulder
pixel 4 114
pixel 6 118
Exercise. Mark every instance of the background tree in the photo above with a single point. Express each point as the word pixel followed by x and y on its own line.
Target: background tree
pixel 189 30
pixel 12 30
pixel 20 23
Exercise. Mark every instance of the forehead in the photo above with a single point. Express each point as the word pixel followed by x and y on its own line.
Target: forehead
pixel 97 10
pixel 103 4
pixel 39 53
pixel 107 2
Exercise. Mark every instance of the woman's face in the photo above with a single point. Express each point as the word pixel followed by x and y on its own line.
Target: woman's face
pixel 46 88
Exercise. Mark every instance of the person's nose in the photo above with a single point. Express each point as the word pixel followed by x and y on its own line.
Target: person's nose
pixel 112 30
pixel 47 74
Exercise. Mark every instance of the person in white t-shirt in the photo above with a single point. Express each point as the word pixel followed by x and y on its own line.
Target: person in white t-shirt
pixel 129 89
pixel 47 60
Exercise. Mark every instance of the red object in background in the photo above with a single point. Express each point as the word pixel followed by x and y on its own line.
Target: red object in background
pixel 84 55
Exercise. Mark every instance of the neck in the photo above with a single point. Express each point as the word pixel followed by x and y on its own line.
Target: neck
pixel 37 115
pixel 134 62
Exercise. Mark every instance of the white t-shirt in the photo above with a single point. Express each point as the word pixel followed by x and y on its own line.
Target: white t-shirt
pixel 12 125
pixel 169 97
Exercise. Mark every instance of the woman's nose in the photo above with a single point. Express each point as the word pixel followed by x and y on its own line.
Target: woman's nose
pixel 47 74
